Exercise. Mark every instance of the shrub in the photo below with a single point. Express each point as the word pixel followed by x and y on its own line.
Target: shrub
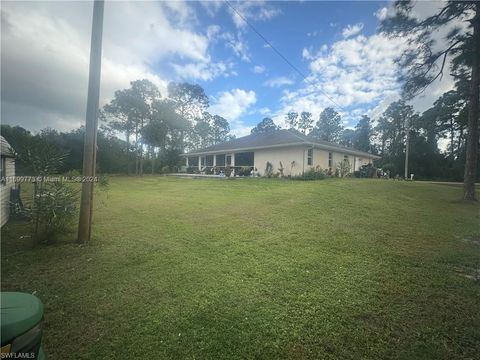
pixel 228 171
pixel 53 209
pixel 368 171
pixel 165 169
pixel 103 181
pixel 312 174
pixel 244 171
pixel 390 168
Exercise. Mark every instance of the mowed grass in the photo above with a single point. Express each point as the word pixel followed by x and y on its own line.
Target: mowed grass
pixel 260 269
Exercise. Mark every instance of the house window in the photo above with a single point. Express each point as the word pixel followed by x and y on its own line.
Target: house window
pixel 202 161
pixel 244 159
pixel 330 160
pixel 345 157
pixel 228 160
pixel 310 157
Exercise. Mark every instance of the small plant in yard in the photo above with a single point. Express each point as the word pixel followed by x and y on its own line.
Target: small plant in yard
pixel 343 168
pixel 292 165
pixel 268 169
pixel 280 170
pixel 103 181
pixel 54 203
pixel 52 211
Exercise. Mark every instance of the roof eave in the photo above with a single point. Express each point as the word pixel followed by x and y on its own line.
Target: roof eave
pixel 306 144
pixel 226 151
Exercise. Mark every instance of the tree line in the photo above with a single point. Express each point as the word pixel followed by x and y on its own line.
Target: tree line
pixel 154 126
pixel 445 122
pixel 140 131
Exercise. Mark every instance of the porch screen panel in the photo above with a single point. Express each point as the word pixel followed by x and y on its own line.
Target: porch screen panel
pixel 193 161
pixel 209 160
pixel 220 160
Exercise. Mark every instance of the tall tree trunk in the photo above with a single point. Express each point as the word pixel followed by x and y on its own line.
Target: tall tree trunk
pixel 472 137
pixel 460 141
pixel 153 160
pixel 136 148
pixel 128 152
pixel 141 149
pixel 452 140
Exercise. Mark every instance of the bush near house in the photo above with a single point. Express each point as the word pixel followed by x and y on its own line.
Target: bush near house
pixel 316 173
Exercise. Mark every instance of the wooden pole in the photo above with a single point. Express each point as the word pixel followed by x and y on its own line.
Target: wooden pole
pixel 90 143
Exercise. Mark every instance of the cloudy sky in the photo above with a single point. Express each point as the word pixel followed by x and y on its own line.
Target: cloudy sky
pixel 45 53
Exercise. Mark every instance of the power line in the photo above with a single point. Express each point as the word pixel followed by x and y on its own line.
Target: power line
pixel 279 53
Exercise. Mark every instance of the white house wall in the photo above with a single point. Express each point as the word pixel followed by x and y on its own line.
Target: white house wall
pixel 5 191
pixel 286 155
pixel 298 155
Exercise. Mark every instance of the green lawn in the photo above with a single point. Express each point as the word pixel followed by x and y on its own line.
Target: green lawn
pixel 260 269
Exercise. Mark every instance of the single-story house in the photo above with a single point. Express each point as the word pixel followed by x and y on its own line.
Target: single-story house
pixel 7 169
pixel 297 152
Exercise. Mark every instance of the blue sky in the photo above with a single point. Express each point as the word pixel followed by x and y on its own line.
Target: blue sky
pixel 45 47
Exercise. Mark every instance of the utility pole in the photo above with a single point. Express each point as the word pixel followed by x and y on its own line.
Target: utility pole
pixel 407 146
pixel 91 121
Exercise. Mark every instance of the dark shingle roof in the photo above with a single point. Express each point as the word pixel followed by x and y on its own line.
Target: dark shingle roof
pixel 274 139
pixel 5 148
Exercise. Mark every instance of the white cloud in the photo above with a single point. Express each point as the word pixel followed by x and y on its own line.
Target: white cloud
pixel 212 31
pixel 45 55
pixel 264 111
pixel 241 130
pixel 252 11
pixel 237 44
pixel 356 73
pixel 381 14
pixel 203 70
pixel 306 54
pixel 212 6
pixel 232 105
pixel 278 82
pixel 352 30
pixel 259 69
pixel 360 75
